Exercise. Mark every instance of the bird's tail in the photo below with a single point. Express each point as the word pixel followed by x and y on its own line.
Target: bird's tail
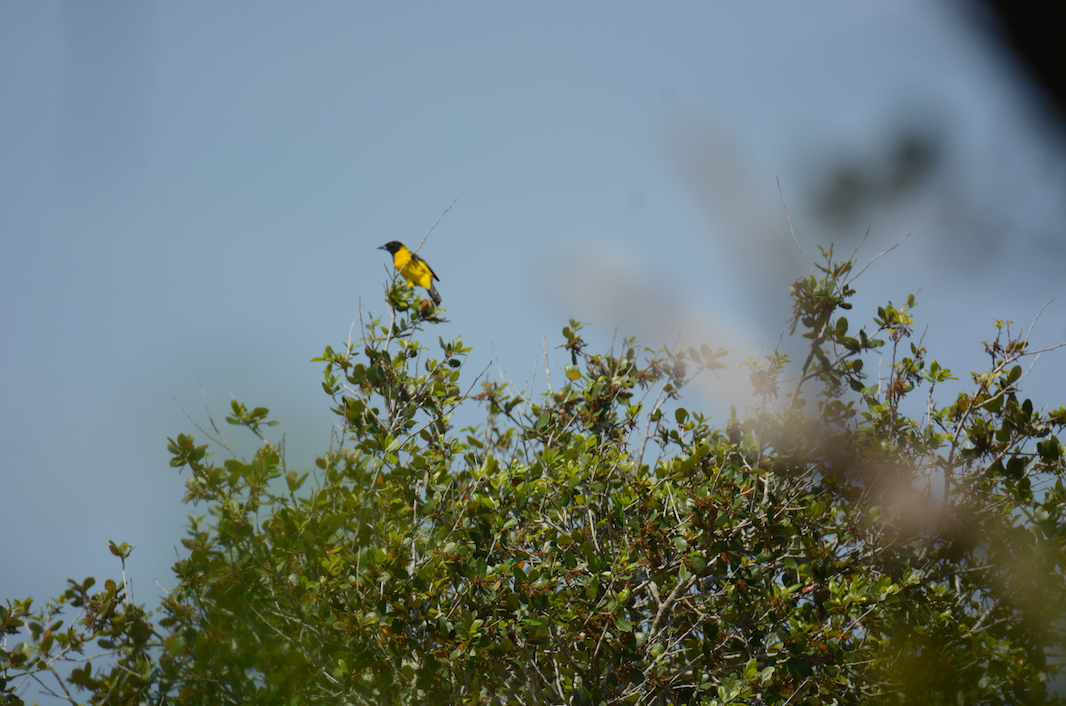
pixel 433 295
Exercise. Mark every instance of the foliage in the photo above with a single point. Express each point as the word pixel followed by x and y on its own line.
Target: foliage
pixel 599 543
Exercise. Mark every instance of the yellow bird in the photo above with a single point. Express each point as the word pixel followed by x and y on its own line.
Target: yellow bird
pixel 413 268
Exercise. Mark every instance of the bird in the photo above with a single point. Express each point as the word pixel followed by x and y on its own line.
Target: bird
pixel 413 268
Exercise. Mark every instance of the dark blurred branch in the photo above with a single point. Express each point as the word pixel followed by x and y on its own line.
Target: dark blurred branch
pixel 1031 33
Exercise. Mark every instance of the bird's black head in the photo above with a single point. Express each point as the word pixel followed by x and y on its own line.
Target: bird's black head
pixel 392 246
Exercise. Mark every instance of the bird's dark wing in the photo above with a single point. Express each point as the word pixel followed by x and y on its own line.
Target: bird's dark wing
pixel 418 258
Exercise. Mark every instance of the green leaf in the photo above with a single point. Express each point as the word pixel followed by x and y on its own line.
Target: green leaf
pixel 174 646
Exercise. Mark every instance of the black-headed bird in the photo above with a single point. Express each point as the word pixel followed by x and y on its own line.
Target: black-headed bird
pixel 413 268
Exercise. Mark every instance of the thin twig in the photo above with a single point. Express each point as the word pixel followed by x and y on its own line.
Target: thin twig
pixel 435 224
pixel 531 382
pixel 195 424
pixel 901 242
pixel 352 327
pixel 499 368
pixel 794 238
pixel 1030 331
pixel 547 370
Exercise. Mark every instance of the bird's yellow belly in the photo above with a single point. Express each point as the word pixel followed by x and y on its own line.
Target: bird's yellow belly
pixel 414 273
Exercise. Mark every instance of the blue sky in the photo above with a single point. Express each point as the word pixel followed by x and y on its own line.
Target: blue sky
pixel 192 193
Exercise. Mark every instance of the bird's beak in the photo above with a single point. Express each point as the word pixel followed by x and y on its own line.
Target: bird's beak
pixel 380 248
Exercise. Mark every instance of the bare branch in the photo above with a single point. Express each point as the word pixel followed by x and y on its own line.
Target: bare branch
pixel 794 238
pixel 857 247
pixel 884 252
pixel 1030 331
pixel 435 224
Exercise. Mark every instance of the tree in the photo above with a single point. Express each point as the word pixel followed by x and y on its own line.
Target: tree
pixel 600 543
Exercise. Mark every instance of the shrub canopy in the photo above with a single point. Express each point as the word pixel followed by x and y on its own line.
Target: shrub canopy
pixel 600 543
